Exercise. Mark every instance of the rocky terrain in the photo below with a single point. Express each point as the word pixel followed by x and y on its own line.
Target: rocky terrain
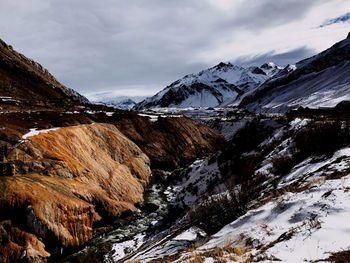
pixel 89 183
pixel 276 193
pixel 70 169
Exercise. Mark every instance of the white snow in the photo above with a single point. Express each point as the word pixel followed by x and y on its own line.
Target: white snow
pixel 316 218
pixel 314 89
pixel 190 234
pixel 34 132
pixel 124 248
pixel 195 185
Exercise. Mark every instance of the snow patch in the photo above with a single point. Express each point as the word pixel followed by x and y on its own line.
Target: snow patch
pixel 34 132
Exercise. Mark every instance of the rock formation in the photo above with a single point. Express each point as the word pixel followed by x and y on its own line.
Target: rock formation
pixel 70 179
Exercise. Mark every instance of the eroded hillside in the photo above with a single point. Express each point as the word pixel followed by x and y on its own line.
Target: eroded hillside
pixel 69 179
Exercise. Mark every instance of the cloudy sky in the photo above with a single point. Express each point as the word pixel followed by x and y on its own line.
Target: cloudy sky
pixel 137 47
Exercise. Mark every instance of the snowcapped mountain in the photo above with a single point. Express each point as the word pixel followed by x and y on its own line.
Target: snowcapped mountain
pixel 216 86
pixel 124 104
pixel 320 81
pixel 110 98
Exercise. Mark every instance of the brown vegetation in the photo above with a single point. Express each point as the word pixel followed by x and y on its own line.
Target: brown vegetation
pixel 168 142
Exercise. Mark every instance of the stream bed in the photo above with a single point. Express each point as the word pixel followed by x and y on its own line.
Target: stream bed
pixel 130 232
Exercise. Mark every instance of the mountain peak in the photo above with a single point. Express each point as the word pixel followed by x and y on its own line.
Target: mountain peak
pixel 268 65
pixel 223 64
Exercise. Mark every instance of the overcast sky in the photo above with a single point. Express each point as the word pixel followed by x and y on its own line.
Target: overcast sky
pixel 137 47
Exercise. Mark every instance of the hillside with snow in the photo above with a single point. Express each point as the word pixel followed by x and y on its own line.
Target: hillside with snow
pixel 268 198
pixel 214 87
pixel 320 81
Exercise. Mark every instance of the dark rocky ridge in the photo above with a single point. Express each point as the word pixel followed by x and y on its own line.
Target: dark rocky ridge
pixel 28 83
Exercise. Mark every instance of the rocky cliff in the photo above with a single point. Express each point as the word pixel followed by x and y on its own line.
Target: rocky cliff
pixel 69 180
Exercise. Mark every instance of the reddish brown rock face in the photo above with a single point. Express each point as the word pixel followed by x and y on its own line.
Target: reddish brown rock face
pixel 72 178
pixel 20 245
pixel 168 142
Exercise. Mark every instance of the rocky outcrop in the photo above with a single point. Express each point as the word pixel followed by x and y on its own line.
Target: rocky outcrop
pixel 71 180
pixel 21 245
pixel 170 142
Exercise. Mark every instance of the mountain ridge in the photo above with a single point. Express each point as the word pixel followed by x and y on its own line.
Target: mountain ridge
pixel 216 86
pixel 319 81
pixel 27 82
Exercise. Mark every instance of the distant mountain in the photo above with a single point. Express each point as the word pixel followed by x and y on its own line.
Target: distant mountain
pixel 213 87
pixel 25 82
pixel 320 81
pixel 110 98
pixel 124 104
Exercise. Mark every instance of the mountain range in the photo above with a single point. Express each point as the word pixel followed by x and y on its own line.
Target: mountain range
pixel 318 81
pixel 218 86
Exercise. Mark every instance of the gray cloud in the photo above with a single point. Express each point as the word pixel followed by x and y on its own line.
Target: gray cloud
pixel 257 15
pixel 104 45
pixel 340 19
pixel 282 59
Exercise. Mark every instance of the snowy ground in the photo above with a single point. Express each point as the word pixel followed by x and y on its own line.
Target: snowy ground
pixel 300 219
pixel 298 226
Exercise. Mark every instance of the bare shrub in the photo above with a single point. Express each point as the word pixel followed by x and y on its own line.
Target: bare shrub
pixel 217 211
pixel 282 164
pixel 322 138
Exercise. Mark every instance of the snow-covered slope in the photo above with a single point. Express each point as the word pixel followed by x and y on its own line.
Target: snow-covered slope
pixel 83 98
pixel 216 86
pixel 265 198
pixel 320 81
